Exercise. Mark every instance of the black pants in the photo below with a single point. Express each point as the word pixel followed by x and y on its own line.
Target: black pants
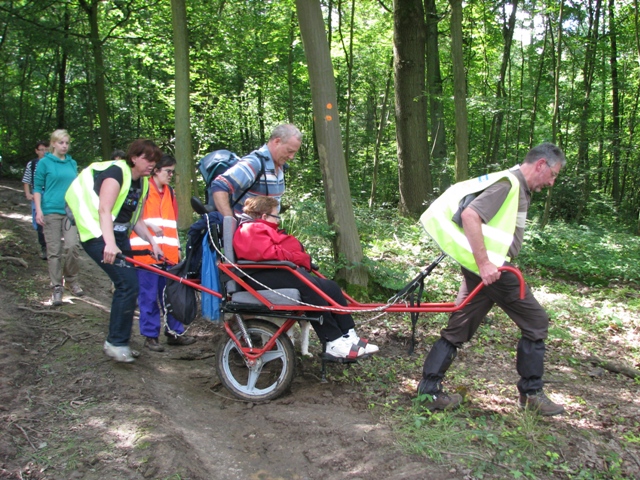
pixel 528 314
pixel 334 325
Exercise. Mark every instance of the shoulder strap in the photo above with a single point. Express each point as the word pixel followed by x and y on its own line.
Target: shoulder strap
pixel 261 172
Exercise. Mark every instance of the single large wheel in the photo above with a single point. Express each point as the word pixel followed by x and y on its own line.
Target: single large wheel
pixel 272 373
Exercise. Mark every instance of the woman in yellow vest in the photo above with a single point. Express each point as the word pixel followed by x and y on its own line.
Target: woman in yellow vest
pixel 106 200
pixel 160 216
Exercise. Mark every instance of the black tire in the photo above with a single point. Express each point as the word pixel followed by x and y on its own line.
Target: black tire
pixel 270 377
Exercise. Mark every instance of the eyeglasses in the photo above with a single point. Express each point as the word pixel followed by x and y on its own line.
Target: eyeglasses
pixel 553 174
pixel 171 173
pixel 277 217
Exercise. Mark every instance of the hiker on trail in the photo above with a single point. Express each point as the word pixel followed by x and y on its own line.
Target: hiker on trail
pixel 259 173
pixel 107 200
pixel 27 183
pixel 259 239
pixel 160 215
pixel 480 224
pixel 55 172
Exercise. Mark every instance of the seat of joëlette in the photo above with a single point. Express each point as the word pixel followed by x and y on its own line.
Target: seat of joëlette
pixel 280 296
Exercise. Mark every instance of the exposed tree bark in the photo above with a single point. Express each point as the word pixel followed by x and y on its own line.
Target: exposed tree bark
pixel 498 118
pixel 536 90
pixel 414 176
pixel 348 56
pixel 62 74
pixel 101 93
pixel 340 214
pixel 436 107
pixel 380 132
pixel 615 107
pixel 184 157
pixel 459 93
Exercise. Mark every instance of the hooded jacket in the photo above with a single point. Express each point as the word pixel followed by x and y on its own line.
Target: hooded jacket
pixel 52 179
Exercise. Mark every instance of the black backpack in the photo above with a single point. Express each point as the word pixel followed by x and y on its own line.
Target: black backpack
pixel 219 161
pixel 180 300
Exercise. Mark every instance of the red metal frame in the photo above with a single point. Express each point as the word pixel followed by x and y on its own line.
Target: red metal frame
pixel 253 354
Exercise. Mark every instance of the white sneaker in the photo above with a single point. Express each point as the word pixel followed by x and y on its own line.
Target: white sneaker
pixel 119 354
pixel 342 347
pixel 369 348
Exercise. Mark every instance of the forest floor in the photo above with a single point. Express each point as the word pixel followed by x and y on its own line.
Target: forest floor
pixel 69 412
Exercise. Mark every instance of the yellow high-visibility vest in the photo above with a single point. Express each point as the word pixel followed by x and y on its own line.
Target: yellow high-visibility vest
pixel 498 232
pixel 84 201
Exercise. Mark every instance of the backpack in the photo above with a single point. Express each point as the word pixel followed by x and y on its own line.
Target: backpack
pixel 219 161
pixel 179 299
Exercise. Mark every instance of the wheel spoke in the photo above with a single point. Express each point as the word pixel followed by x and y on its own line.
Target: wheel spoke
pixel 254 375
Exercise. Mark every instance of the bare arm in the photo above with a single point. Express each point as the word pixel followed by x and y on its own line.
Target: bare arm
pixel 472 224
pixel 108 194
pixel 27 191
pixel 221 199
pixel 37 198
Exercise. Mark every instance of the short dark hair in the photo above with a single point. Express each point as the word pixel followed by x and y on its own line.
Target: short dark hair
pixel 43 143
pixel 165 161
pixel 117 154
pixel 144 147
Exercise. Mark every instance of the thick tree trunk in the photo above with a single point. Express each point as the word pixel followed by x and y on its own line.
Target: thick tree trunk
pixel 436 107
pixel 184 157
pixel 327 128
pixel 459 93
pixel 101 92
pixel 411 110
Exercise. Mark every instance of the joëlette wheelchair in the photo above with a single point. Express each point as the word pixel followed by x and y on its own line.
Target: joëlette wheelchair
pixel 255 360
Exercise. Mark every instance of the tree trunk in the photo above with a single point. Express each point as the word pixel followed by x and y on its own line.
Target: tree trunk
pixel 583 136
pixel 381 126
pixel 555 127
pixel 498 118
pixel 62 75
pixel 101 92
pixel 459 93
pixel 184 157
pixel 348 57
pixel 411 112
pixel 615 107
pixel 436 107
pixel 340 214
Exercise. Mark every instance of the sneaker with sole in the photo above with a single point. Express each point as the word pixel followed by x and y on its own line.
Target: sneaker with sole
pixel 540 403
pixel 153 344
pixel 56 298
pixel 119 354
pixel 442 401
pixel 76 290
pixel 343 347
pixel 179 340
pixel 369 348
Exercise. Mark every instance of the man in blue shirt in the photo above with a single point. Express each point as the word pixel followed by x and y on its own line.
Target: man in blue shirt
pixel 261 172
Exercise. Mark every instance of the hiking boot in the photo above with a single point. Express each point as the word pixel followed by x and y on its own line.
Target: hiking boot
pixel 539 402
pixel 43 253
pixel 56 299
pixel 442 401
pixel 369 348
pixel 119 354
pixel 343 347
pixel 153 344
pixel 76 290
pixel 178 340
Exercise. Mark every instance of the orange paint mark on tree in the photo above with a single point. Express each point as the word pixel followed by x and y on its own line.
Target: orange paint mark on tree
pixel 329 106
pixel 328 118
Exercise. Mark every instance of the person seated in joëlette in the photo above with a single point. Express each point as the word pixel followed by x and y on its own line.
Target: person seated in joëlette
pixel 258 239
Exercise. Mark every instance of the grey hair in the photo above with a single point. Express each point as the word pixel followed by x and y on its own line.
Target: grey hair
pixel 285 131
pixel 550 152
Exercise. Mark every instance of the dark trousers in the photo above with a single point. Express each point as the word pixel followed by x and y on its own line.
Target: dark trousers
pixel 528 315
pixel 334 325
pixel 125 281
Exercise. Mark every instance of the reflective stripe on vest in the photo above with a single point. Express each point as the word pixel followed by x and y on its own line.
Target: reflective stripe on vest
pixel 158 210
pixel 84 202
pixel 498 232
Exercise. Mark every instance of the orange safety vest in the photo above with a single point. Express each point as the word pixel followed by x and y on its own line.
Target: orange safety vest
pixel 159 210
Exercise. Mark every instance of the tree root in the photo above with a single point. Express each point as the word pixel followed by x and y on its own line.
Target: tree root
pixel 614 367
pixel 17 260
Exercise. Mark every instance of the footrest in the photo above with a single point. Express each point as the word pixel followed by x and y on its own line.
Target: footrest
pixel 325 357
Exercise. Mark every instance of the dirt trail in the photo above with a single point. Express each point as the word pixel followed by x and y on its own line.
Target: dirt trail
pixel 68 412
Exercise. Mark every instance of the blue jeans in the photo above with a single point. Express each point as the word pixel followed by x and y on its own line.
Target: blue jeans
pixel 125 281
